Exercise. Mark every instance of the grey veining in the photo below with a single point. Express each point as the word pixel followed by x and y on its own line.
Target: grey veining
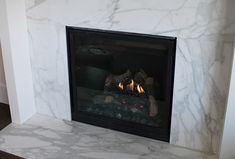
pixel 46 138
pixel 205 31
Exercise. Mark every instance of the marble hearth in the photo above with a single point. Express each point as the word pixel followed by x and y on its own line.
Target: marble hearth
pixel 204 29
pixel 47 138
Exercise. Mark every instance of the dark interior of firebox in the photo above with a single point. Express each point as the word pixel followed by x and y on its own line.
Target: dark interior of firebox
pixel 125 80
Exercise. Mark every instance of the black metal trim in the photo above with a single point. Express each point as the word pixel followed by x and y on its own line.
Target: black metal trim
pixel 116 124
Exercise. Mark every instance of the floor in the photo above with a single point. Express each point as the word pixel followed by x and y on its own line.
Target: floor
pixel 5 116
pixel 4 155
pixel 43 137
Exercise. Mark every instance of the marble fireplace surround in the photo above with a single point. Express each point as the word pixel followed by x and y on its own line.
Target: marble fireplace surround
pixel 204 31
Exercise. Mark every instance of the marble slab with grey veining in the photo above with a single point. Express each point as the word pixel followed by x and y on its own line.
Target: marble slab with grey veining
pixel 44 137
pixel 204 29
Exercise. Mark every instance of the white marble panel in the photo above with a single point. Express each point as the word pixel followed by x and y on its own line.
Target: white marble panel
pixel 205 31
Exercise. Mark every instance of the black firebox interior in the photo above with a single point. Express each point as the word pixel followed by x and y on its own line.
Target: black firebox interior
pixel 122 81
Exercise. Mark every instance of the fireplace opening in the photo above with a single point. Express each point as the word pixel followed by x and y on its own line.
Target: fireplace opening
pixel 122 81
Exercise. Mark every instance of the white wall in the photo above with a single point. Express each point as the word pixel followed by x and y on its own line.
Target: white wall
pixel 228 141
pixel 16 59
pixel 3 89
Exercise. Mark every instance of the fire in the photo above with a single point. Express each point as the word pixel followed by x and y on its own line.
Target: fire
pixel 121 86
pixel 140 89
pixel 131 85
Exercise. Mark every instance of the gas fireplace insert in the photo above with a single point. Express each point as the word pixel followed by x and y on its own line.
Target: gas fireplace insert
pixel 122 81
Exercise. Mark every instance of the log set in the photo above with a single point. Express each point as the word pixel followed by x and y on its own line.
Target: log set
pixel 112 84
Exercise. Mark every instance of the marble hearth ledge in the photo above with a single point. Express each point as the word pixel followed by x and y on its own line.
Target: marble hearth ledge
pixel 43 137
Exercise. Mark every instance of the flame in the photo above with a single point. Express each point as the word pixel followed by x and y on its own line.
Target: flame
pixel 131 85
pixel 121 86
pixel 140 89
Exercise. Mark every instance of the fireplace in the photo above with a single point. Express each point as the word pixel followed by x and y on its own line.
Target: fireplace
pixel 122 81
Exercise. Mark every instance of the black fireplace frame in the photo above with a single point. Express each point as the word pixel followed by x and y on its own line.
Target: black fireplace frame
pixel 116 124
